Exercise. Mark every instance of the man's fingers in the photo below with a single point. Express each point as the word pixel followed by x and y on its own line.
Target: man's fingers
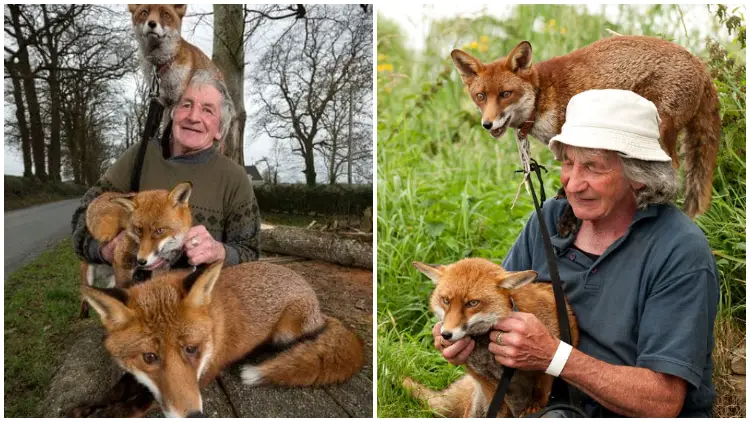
pixel 509 324
pixel 455 349
pixel 464 355
pixel 436 329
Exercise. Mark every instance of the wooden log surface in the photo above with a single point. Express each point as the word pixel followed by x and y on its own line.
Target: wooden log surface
pixel 349 249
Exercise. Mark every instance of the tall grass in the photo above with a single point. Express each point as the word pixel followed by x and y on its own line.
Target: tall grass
pixel 445 187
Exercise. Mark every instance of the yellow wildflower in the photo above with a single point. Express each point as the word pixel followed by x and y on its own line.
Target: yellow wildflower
pixel 483 39
pixel 385 67
pixel 551 23
pixel 474 45
pixel 563 31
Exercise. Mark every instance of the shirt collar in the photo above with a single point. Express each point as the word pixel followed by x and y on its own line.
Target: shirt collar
pixel 563 243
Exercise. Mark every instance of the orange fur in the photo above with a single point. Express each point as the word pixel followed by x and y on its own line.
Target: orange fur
pixel 195 326
pixel 469 297
pixel 155 223
pixel 511 90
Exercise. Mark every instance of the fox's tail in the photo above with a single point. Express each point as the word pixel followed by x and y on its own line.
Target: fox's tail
pixel 700 147
pixel 333 356
pixel 450 403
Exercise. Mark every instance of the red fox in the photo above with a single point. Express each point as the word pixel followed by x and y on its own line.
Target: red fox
pixel 175 334
pixel 163 50
pixel 470 296
pixel 155 223
pixel 513 92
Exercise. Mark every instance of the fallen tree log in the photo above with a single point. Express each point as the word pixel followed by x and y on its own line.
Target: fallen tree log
pixel 349 249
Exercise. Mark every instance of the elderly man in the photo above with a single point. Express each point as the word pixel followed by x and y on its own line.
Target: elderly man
pixel 222 201
pixel 638 273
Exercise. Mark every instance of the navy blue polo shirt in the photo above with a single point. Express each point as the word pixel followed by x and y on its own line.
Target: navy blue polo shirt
pixel 649 300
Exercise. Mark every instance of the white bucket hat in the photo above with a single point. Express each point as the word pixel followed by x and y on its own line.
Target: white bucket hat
pixel 613 119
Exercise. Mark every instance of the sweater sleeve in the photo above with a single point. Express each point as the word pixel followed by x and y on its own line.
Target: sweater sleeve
pixel 116 179
pixel 242 226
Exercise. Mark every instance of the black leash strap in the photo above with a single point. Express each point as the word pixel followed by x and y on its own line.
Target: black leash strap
pixel 562 312
pixel 155 111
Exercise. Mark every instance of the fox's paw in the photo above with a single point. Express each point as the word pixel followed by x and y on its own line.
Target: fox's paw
pixel 89 410
pixel 251 375
pixel 529 411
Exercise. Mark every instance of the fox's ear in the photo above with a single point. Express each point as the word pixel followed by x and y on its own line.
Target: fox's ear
pixel 124 202
pixel 133 7
pixel 110 304
pixel 514 280
pixel 200 291
pixel 180 9
pixel 520 57
pixel 180 194
pixel 467 65
pixel 432 271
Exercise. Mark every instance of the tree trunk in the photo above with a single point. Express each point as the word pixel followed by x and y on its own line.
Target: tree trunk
pixel 35 118
pixel 310 166
pixel 54 136
pixel 229 56
pixel 352 250
pixel 349 145
pixel 23 127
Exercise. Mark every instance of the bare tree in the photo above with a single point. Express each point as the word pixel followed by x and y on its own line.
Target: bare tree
pixel 301 74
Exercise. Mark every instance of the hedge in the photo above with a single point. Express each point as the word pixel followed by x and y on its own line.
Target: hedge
pixel 301 199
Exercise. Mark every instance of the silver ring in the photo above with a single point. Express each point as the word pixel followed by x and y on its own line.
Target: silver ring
pixel 194 241
pixel 497 339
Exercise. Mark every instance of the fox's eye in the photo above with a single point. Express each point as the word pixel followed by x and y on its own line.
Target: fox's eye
pixel 191 350
pixel 446 301
pixel 150 358
pixel 506 94
pixel 137 231
pixel 165 15
pixel 145 12
pixel 480 97
pixel 472 303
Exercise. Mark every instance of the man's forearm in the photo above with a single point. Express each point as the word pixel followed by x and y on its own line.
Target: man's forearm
pixel 626 390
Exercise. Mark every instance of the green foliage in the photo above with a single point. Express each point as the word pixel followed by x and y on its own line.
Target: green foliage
pixel 301 199
pixel 445 187
pixel 41 300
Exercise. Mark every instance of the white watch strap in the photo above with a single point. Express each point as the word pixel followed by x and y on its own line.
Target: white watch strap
pixel 560 359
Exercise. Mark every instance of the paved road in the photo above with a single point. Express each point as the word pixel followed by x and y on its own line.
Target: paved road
pixel 29 231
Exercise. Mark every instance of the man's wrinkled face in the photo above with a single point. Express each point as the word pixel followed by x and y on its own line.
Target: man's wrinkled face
pixel 594 182
pixel 197 118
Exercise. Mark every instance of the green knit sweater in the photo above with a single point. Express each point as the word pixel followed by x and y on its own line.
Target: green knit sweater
pixel 222 199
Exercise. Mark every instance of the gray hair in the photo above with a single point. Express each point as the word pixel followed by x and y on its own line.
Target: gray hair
pixel 659 178
pixel 226 109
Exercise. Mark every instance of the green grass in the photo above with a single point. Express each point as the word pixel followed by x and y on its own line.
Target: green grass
pixel 445 187
pixel 41 300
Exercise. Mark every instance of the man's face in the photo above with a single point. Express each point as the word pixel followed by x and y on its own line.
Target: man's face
pixel 595 185
pixel 196 118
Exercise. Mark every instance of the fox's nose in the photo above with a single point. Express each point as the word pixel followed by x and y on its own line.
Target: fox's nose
pixel 194 415
pixel 152 24
pixel 141 262
pixel 447 335
pixel 487 125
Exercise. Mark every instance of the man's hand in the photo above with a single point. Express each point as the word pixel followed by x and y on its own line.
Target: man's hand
pixel 108 251
pixel 456 353
pixel 201 248
pixel 524 343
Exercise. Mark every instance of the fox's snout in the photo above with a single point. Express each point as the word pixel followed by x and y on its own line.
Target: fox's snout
pixel 487 125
